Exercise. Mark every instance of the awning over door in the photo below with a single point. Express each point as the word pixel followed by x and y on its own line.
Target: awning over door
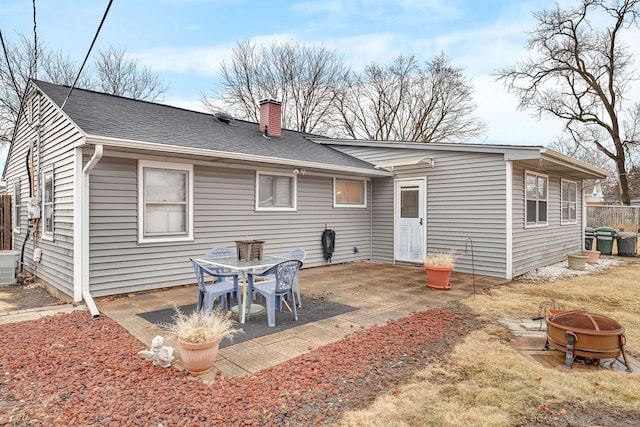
pixel 391 164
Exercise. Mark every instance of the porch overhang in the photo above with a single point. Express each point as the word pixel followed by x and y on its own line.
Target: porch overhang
pixel 390 165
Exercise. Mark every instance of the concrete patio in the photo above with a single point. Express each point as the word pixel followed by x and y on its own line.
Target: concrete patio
pixel 379 292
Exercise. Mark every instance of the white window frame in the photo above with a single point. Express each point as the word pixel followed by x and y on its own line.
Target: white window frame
pixel 546 200
pixel 46 174
pixel 29 110
pixel 32 109
pixel 349 205
pixel 162 238
pixel 16 206
pixel 563 202
pixel 294 192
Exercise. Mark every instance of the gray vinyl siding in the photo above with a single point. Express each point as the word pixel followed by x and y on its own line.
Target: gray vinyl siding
pixel 535 247
pixel 224 211
pixel 466 205
pixel 382 232
pixel 57 138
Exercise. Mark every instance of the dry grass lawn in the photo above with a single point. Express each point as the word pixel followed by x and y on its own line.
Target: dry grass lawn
pixel 486 382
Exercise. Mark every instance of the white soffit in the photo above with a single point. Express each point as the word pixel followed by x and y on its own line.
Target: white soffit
pixel 390 164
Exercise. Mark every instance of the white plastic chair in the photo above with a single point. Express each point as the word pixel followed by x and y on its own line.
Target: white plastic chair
pixel 220 288
pixel 274 291
pixel 221 252
pixel 300 255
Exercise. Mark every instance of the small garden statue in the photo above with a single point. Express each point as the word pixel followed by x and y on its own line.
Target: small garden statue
pixel 159 354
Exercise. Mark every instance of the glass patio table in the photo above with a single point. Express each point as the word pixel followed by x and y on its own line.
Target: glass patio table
pixel 243 267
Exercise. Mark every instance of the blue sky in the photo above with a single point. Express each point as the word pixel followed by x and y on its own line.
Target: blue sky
pixel 184 41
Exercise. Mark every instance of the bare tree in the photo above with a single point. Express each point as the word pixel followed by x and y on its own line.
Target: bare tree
pixel 405 101
pixel 60 69
pixel 581 74
pixel 120 76
pixel 304 78
pixel 17 66
pixel 21 61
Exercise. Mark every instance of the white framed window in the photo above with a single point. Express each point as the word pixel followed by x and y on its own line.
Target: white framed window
pixel 569 194
pixel 165 202
pixel 29 110
pixel 16 205
pixel 276 192
pixel 32 108
pixel 349 193
pixel 47 203
pixel 536 189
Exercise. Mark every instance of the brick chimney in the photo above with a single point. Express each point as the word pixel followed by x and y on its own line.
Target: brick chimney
pixel 271 117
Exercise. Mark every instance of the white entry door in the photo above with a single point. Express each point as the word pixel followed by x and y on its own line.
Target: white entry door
pixel 410 220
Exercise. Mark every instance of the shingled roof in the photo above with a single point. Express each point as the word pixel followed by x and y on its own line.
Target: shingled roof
pixel 112 117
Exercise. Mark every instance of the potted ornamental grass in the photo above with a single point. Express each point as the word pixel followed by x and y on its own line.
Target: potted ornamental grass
pixel 199 335
pixel 438 267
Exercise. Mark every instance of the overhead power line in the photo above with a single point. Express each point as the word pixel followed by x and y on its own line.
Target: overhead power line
pixel 6 57
pixel 35 43
pixel 88 53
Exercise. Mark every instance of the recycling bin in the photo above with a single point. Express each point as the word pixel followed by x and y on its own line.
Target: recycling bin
pixel 589 234
pixel 604 240
pixel 627 243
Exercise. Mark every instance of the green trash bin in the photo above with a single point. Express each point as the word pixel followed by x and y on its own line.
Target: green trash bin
pixel 604 240
pixel 589 234
pixel 627 243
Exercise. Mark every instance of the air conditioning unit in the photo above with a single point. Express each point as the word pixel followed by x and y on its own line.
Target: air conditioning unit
pixel 8 267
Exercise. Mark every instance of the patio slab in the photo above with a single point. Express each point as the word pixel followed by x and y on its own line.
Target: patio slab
pixel 379 292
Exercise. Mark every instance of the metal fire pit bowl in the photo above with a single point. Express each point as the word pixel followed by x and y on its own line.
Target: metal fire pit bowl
pixel 579 333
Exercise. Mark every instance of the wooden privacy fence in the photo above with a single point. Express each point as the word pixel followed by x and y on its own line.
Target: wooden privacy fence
pixel 5 222
pixel 622 218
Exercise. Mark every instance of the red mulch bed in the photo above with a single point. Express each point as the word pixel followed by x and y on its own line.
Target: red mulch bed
pixel 72 370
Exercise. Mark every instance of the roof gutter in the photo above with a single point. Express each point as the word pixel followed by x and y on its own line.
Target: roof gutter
pixel 86 172
pixel 563 159
pixel 202 152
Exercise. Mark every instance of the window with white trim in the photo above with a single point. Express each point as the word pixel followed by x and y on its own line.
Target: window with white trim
pixel 16 205
pixel 29 107
pixel 47 203
pixel 569 194
pixel 275 192
pixel 536 188
pixel 165 208
pixel 349 192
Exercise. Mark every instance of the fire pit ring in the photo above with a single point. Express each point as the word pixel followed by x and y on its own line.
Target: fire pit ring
pixel 588 335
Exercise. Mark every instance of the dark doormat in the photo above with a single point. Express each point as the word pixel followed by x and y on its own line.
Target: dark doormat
pixel 312 310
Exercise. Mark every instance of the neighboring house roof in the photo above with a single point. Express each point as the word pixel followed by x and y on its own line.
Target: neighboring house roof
pixel 128 123
pixel 596 196
pixel 536 157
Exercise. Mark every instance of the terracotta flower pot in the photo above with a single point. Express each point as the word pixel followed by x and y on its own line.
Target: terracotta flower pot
pixel 592 256
pixel 438 277
pixel 198 358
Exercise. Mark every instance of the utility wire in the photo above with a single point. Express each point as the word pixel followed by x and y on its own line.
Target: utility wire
pixel 88 53
pixel 13 78
pixel 35 43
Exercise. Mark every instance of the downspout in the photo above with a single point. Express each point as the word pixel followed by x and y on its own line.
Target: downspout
pixel 584 215
pixel 509 220
pixel 371 222
pixel 86 171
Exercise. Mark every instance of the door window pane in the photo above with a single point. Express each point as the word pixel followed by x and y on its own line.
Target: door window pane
pixel 409 203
